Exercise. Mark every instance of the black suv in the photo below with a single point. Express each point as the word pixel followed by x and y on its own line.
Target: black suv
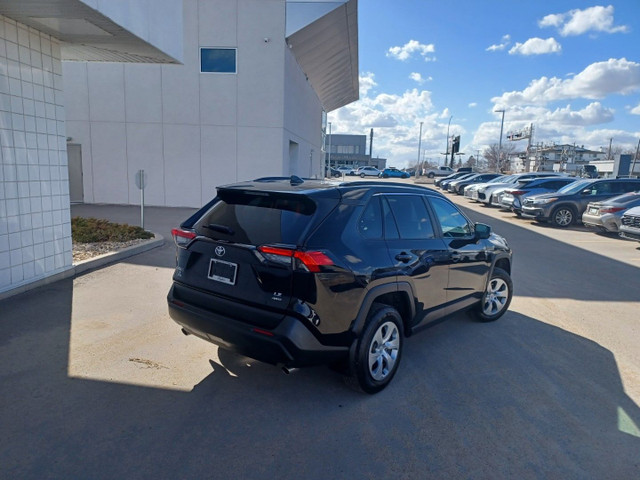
pixel 299 272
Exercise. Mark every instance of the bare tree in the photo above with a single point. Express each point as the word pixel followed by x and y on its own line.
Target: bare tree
pixel 491 156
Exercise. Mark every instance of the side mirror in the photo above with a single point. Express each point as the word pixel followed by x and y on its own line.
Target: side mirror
pixel 586 191
pixel 482 231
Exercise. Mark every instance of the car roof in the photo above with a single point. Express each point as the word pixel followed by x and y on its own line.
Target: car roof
pixel 324 188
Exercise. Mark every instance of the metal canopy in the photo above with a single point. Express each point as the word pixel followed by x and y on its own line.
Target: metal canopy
pixel 327 51
pixel 85 34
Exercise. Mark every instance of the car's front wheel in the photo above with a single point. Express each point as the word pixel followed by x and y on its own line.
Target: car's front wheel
pixel 496 297
pixel 362 175
pixel 431 175
pixel 563 216
pixel 378 350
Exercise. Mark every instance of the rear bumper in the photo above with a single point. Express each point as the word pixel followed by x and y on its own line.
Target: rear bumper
pixel 290 344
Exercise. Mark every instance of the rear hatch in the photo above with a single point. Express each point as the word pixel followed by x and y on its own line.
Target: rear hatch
pixel 227 267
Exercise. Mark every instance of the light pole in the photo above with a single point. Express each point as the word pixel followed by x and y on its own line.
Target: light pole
pixel 446 148
pixel 419 144
pixel 500 144
pixel 329 156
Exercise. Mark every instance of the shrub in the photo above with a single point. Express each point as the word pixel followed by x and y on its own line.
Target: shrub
pixel 90 230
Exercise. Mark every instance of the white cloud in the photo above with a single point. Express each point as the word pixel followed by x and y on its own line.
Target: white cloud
pixel 506 40
pixel 579 22
pixel 614 76
pixel 367 83
pixel 416 77
pixel 536 46
pixel 409 49
pixel 636 110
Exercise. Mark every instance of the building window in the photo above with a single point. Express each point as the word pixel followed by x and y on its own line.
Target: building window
pixel 217 60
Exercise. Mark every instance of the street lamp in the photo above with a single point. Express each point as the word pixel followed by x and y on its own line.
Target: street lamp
pixel 419 144
pixel 446 147
pixel 500 144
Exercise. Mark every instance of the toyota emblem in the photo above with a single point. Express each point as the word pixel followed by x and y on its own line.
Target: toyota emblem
pixel 220 251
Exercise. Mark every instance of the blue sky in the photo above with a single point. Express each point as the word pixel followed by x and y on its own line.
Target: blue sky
pixel 572 68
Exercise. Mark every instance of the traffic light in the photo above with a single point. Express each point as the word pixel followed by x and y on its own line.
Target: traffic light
pixel 455 145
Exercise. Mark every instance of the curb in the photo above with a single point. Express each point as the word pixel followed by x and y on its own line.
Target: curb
pixel 113 257
pixel 86 265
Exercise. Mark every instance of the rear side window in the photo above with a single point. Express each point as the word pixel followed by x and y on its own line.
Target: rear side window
pixel 370 223
pixel 411 216
pixel 257 218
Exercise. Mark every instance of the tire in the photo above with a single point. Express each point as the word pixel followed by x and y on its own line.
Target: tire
pixel 385 175
pixel 373 366
pixel 431 175
pixel 563 216
pixel 362 175
pixel 496 298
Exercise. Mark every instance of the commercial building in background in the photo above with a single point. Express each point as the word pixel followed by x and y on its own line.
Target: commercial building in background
pixel 248 101
pixel 196 93
pixel 35 38
pixel 350 151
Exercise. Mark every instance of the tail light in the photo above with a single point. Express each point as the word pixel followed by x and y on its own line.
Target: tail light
pixel 310 261
pixel 515 192
pixel 182 238
pixel 608 209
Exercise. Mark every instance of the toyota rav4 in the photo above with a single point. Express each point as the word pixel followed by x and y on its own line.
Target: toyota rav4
pixel 297 272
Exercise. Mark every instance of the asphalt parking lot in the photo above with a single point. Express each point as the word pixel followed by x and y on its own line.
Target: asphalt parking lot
pixel 98 382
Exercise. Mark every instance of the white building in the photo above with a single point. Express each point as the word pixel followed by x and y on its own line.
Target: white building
pixel 188 130
pixel 248 101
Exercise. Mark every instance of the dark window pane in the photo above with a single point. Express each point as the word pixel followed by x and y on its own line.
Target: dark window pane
pixel 218 60
pixel 412 217
pixel 370 224
pixel 452 222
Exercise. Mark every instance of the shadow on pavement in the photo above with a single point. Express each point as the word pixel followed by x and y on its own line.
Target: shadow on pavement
pixel 512 399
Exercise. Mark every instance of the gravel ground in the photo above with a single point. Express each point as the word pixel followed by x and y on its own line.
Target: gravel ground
pixel 87 251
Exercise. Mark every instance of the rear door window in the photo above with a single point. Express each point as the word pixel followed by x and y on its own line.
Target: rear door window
pixel 412 217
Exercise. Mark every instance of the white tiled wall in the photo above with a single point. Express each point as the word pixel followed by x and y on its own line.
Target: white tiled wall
pixel 35 224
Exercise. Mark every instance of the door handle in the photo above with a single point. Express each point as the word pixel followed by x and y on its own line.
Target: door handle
pixel 403 257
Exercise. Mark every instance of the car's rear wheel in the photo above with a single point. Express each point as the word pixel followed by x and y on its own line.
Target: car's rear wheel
pixel 431 175
pixel 378 351
pixel 362 175
pixel 563 216
pixel 497 296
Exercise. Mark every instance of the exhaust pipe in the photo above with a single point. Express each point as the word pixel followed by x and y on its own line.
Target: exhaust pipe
pixel 288 370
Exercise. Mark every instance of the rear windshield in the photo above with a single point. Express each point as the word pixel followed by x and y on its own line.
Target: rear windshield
pixel 257 218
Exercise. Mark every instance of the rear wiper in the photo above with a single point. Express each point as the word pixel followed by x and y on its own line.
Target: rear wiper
pixel 219 228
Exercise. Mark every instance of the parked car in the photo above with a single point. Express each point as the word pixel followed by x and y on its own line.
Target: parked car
pixel 566 206
pixel 512 198
pixel 332 172
pixel 489 194
pixel 471 192
pixel 444 184
pixel 438 181
pixel 297 272
pixel 411 171
pixel 458 186
pixel 606 216
pixel 368 171
pixel 347 170
pixel 393 172
pixel 439 172
pixel 630 224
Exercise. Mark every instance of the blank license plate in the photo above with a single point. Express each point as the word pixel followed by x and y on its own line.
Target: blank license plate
pixel 593 211
pixel 222 271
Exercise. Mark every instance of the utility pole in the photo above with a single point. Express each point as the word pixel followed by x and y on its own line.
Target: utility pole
pixel 419 143
pixel 500 144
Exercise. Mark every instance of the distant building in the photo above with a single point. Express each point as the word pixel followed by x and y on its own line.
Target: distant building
pixel 554 157
pixel 350 151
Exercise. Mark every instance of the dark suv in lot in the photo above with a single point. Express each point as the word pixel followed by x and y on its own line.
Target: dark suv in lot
pixel 566 206
pixel 297 272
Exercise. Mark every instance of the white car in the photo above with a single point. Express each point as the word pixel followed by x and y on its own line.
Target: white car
pixel 471 192
pixel 368 172
pixel 346 170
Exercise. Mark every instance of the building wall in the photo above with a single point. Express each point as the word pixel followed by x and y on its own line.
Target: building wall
pixel 35 227
pixel 191 131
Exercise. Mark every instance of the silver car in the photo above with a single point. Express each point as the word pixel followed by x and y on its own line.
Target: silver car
pixel 630 227
pixel 606 215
